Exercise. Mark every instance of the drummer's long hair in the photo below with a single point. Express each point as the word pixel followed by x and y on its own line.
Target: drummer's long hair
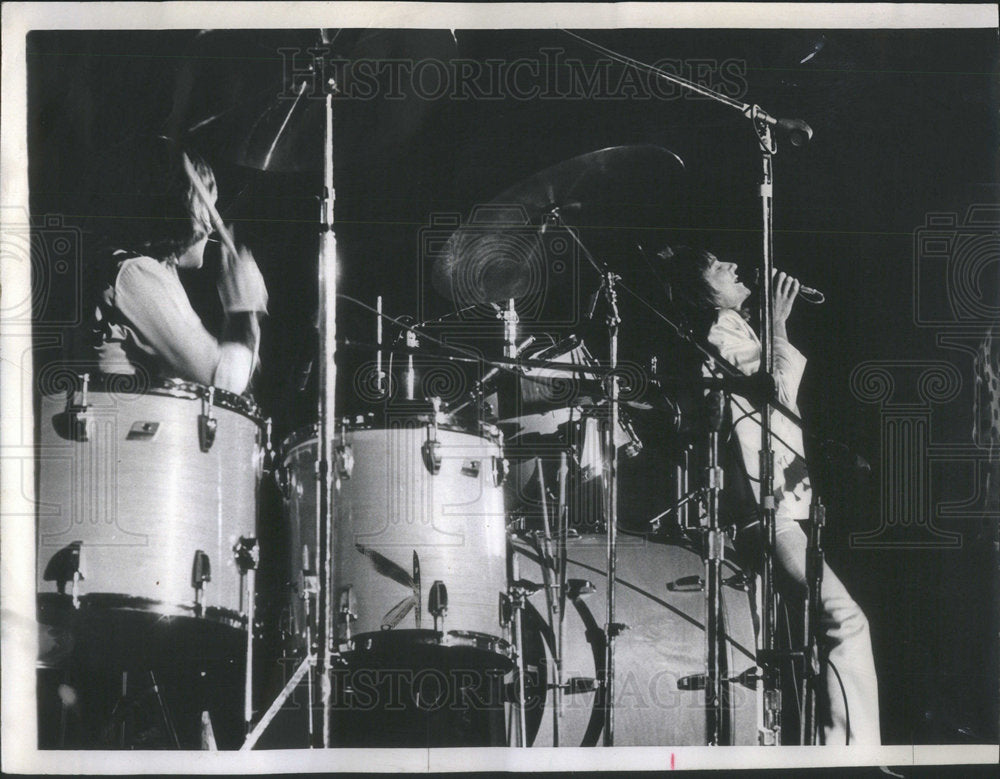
pixel 145 201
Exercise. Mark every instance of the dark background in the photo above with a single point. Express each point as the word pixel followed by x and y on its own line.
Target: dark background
pixel 905 126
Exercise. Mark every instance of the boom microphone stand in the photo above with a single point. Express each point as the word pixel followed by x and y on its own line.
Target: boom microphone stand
pixel 799 134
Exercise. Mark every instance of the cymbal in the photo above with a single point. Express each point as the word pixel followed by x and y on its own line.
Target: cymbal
pixel 257 98
pixel 499 254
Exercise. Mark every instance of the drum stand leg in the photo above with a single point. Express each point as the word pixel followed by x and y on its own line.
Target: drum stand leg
pixel 517 598
pixel 561 547
pixel 552 591
pixel 809 734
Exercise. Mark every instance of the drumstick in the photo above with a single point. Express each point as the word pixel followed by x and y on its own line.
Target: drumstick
pixel 213 214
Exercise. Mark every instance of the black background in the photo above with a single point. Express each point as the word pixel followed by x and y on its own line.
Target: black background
pixel 905 126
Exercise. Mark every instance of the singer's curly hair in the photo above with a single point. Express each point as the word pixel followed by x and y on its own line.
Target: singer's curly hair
pixel 145 200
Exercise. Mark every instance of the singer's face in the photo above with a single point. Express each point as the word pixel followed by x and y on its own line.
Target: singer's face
pixel 727 289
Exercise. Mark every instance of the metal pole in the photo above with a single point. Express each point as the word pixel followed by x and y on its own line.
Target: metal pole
pixel 714 553
pixel 611 508
pixel 771 732
pixel 327 409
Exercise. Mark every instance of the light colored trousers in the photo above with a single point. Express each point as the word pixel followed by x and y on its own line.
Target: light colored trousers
pixel 845 644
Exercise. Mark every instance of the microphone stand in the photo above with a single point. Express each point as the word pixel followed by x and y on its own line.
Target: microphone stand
pixel 799 133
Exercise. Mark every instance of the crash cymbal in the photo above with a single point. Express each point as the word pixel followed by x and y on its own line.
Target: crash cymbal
pixel 499 254
pixel 256 98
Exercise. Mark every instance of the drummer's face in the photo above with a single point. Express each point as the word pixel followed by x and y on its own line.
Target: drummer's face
pixel 727 289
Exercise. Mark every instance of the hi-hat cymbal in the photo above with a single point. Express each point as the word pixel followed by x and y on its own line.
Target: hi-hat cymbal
pixel 499 255
pixel 258 97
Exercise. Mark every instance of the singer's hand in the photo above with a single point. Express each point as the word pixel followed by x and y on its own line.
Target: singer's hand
pixel 786 289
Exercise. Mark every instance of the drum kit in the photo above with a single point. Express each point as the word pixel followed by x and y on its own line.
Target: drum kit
pixel 455 574
pixel 463 540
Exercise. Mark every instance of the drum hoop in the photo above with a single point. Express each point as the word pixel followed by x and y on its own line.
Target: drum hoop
pixel 307 433
pixel 185 390
pixel 93 602
pixel 452 639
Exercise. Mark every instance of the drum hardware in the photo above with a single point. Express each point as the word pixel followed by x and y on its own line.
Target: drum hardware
pixel 201 572
pixel 347 611
pixel 579 588
pixel 66 565
pixel 698 682
pixel 79 422
pixel 438 604
pixel 247 554
pixel 431 448
pixel 518 594
pixel 207 423
pixel 809 729
pixel 716 721
pixel 738 581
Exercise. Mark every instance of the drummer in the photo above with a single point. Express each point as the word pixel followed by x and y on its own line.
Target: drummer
pixel 143 323
pixel 709 293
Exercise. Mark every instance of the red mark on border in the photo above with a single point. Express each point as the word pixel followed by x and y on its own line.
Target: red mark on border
pixel 672 761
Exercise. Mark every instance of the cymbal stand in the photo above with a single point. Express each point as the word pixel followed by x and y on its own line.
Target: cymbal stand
pixel 714 552
pixel 608 287
pixel 326 414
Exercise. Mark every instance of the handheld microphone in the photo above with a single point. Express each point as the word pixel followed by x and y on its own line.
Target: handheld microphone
pixel 808 294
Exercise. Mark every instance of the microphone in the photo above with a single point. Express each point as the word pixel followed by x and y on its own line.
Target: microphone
pixel 808 294
pixel 798 132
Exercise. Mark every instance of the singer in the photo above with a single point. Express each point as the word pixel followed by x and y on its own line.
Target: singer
pixel 709 295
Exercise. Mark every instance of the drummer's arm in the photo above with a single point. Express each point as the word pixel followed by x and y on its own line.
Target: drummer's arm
pixel 244 298
pixel 160 313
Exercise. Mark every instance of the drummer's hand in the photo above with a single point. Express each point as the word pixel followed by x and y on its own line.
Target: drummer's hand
pixel 241 286
pixel 786 289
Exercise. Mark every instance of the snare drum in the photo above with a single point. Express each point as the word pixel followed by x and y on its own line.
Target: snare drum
pixel 144 499
pixel 659 659
pixel 419 540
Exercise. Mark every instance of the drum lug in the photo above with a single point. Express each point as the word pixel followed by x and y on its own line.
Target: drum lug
pixel 437 604
pixel 615 629
pixel 500 466
pixel 79 420
pixel 431 452
pixel 693 583
pixel 201 572
pixel 246 554
pixel 347 611
pixel 207 424
pixel 579 588
pixel 66 565
pixel 505 610
pixel 345 461
pixel 577 685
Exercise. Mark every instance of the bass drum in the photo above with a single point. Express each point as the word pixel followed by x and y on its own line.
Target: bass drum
pixel 659 658
pixel 144 495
